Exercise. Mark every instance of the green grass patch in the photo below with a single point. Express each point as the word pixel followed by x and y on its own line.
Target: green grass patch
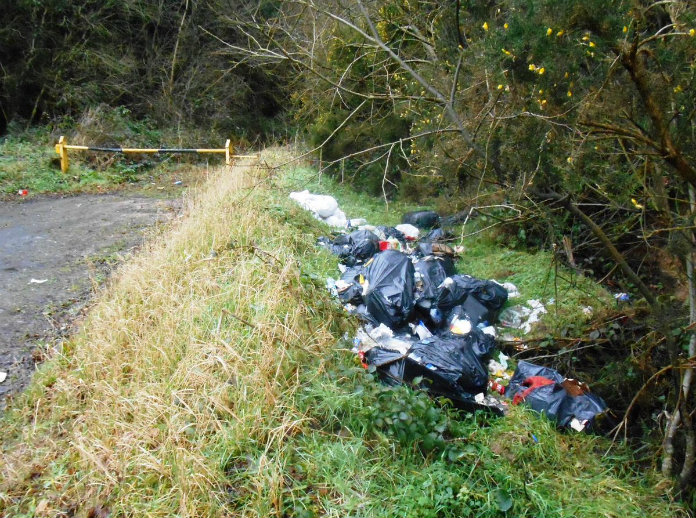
pixel 28 161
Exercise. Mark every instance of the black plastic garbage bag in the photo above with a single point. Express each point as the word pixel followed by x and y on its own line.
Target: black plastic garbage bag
pixel 492 295
pixel 452 363
pixel 481 344
pixel 340 246
pixel 432 274
pixel 353 248
pixel 390 295
pixel 452 367
pixel 364 244
pixel 422 219
pixel 546 391
pixel 472 310
pixel 457 288
pixel 441 251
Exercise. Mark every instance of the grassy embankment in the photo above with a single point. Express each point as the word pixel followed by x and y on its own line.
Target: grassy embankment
pixel 211 379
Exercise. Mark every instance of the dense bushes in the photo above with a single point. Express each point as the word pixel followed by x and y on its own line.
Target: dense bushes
pixel 161 59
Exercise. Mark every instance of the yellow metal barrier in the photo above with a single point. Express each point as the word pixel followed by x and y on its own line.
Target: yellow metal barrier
pixel 62 148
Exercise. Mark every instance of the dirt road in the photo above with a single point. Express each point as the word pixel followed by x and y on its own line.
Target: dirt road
pixel 49 248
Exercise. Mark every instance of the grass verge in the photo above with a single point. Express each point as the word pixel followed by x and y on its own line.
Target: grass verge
pixel 28 161
pixel 210 379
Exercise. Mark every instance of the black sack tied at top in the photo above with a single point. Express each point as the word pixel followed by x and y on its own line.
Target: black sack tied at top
pixel 425 219
pixel 390 294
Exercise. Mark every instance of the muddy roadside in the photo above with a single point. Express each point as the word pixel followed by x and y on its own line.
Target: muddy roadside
pixel 52 252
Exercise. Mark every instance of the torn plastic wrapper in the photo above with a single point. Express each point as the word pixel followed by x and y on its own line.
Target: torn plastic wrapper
pixel 567 402
pixel 381 336
pixel 389 296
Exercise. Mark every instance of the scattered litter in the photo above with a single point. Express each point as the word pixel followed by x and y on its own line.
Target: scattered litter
pixel 512 290
pixel 622 297
pixel 23 192
pixel 3 376
pixel 588 310
pixel 179 182
pixel 421 331
pixel 38 281
pixel 520 317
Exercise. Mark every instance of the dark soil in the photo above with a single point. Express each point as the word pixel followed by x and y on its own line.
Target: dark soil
pixel 68 244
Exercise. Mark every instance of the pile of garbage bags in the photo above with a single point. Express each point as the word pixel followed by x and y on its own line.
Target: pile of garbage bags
pixel 426 325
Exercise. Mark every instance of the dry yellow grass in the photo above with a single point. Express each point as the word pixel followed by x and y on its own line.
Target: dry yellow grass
pixel 175 361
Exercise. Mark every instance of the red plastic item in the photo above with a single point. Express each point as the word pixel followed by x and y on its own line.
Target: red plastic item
pixel 532 383
pixel 23 192
pixel 383 245
pixel 363 361
pixel 496 387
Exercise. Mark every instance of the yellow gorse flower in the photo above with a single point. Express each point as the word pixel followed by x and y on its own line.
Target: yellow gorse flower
pixel 549 31
pixel 485 26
